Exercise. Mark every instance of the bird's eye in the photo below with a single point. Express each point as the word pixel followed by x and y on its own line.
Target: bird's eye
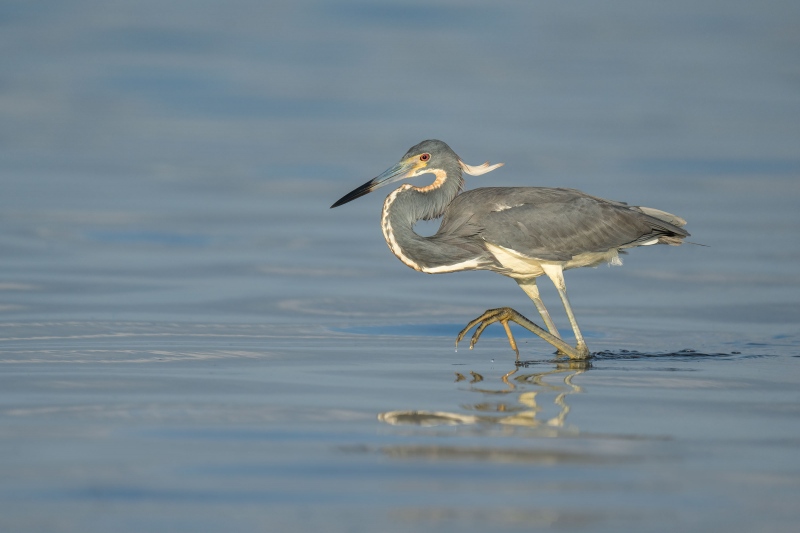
pixel 424 157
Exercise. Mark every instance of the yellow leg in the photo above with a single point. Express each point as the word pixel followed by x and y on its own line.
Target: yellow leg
pixel 532 290
pixel 556 275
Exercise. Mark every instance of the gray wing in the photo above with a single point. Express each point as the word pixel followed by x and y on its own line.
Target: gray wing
pixel 550 223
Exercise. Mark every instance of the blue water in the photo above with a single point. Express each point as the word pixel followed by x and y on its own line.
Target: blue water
pixel 191 340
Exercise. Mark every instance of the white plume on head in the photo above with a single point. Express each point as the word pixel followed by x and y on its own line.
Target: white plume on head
pixel 480 169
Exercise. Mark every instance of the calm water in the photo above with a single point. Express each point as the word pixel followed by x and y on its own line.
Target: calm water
pixel 192 341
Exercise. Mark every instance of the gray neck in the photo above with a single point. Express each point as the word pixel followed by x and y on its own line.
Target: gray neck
pixel 407 205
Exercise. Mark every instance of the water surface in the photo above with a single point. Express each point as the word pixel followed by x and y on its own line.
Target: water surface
pixel 192 341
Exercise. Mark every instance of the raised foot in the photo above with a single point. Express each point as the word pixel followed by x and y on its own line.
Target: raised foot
pixel 504 315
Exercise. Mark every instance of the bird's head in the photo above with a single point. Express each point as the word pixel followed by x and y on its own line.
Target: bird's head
pixel 429 156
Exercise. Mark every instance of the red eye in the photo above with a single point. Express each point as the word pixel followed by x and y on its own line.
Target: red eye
pixel 424 157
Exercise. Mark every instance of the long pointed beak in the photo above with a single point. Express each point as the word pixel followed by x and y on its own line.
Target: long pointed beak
pixel 398 172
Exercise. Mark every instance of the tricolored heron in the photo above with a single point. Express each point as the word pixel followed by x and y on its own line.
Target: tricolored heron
pixel 519 232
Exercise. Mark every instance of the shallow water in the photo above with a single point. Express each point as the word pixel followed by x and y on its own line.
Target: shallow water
pixel 192 341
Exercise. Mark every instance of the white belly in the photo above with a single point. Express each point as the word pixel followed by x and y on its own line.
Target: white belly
pixel 520 266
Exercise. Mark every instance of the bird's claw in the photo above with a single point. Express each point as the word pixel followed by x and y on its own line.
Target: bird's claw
pixel 504 315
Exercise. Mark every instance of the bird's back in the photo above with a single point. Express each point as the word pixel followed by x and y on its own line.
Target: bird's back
pixel 555 224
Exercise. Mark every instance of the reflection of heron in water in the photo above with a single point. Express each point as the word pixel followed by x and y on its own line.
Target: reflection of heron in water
pixel 518 407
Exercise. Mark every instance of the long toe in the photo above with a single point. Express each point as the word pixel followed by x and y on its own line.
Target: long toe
pixel 504 315
pixel 490 316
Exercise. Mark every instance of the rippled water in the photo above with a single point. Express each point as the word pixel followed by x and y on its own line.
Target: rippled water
pixel 192 341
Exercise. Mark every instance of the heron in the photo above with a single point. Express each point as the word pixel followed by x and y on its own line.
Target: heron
pixel 520 232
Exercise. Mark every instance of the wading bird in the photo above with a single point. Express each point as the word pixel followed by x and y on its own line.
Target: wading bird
pixel 519 232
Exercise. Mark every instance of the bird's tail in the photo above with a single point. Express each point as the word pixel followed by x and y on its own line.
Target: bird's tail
pixel 668 227
pixel 675 220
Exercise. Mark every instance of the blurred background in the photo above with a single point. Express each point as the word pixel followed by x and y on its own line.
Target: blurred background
pixel 175 160
pixel 191 336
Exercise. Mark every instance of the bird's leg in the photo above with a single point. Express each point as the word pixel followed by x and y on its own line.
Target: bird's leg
pixel 532 290
pixel 504 315
pixel 556 275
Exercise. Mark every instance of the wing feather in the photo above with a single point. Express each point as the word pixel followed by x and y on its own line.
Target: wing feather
pixel 552 223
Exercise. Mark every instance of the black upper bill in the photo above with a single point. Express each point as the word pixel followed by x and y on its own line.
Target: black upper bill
pixel 390 175
pixel 357 193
